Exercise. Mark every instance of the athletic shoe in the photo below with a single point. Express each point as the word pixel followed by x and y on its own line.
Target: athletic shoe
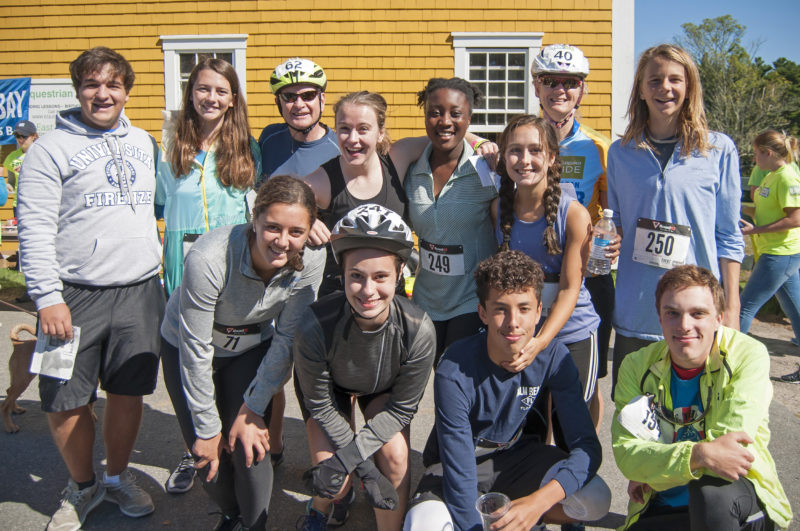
pixel 573 527
pixel 182 478
pixel 791 378
pixel 340 509
pixel 75 505
pixel 313 520
pixel 133 501
pixel 226 523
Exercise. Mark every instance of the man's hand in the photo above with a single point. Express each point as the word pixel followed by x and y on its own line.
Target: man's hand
pixel 489 151
pixel 56 321
pixel 249 429
pixel 637 490
pixel 725 456
pixel 206 453
pixel 319 234
pixel 380 491
pixel 523 514
pixel 525 356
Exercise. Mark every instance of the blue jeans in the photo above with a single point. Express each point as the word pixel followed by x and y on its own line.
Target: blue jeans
pixel 773 275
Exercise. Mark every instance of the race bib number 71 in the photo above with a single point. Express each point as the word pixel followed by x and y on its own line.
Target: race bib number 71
pixel 661 244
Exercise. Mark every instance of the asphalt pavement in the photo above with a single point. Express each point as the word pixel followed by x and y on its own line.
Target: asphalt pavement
pixel 33 473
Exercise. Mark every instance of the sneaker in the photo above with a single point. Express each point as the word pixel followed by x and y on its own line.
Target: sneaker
pixel 226 523
pixel 791 378
pixel 75 505
pixel 573 527
pixel 313 520
pixel 182 478
pixel 340 509
pixel 133 501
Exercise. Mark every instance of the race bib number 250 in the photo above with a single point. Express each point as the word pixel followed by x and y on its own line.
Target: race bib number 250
pixel 661 244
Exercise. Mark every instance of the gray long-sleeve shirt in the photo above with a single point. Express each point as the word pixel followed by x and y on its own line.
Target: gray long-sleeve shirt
pixel 221 288
pixel 359 362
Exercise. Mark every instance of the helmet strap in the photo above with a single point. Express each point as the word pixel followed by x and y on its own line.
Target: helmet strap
pixel 558 124
pixel 308 129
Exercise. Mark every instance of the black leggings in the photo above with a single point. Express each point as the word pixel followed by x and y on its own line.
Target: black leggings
pixel 715 505
pixel 237 490
pixel 451 330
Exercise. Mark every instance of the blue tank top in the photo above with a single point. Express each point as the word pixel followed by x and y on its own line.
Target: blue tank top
pixel 528 237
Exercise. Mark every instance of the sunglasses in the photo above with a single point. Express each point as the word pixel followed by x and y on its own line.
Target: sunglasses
pixel 291 97
pixel 665 414
pixel 567 82
pixel 20 137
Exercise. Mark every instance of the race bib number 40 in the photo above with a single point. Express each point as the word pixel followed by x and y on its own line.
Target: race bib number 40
pixel 442 259
pixel 661 244
pixel 236 338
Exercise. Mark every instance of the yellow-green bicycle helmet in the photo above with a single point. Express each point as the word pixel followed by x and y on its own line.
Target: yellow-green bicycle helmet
pixel 296 71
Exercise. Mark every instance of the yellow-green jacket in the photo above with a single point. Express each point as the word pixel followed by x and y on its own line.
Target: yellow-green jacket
pixel 737 371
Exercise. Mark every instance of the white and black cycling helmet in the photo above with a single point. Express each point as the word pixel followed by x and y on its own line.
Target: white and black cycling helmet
pixel 561 59
pixel 372 226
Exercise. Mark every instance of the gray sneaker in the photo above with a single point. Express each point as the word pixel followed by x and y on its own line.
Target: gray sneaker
pixel 75 505
pixel 182 478
pixel 133 501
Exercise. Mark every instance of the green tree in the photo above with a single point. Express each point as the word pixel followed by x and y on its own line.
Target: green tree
pixel 741 96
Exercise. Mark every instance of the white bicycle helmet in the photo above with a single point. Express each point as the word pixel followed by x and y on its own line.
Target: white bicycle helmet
pixel 372 226
pixel 561 59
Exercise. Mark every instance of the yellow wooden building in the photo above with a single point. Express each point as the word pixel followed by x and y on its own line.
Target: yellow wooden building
pixel 391 47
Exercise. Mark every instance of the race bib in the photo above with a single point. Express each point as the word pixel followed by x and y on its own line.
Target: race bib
pixel 549 294
pixel 236 338
pixel 442 259
pixel 661 244
pixel 188 240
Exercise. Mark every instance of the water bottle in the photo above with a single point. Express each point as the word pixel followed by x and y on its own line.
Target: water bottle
pixel 604 234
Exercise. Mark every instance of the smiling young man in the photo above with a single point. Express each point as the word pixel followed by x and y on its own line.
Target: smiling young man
pixel 301 143
pixel 490 425
pixel 91 254
pixel 691 427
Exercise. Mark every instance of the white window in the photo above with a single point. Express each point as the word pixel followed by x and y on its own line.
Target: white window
pixel 499 64
pixel 182 52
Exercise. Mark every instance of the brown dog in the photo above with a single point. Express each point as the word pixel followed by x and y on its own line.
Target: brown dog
pixel 18 365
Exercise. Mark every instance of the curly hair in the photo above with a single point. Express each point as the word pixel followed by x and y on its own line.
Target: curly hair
pixel 508 271
pixel 552 195
pixel 93 61
pixel 472 93
pixel 686 276
pixel 235 166
pixel 374 101
pixel 693 126
pixel 287 190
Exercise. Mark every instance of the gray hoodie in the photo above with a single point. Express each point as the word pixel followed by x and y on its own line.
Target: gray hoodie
pixel 81 223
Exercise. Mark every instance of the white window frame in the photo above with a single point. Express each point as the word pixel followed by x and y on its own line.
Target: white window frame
pixel 529 42
pixel 174 45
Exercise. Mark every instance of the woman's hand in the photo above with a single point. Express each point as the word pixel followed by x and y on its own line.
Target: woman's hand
pixel 525 356
pixel 612 250
pixel 489 151
pixel 319 234
pixel 251 431
pixel 206 453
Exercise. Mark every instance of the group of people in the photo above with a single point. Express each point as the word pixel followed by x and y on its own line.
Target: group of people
pixel 284 258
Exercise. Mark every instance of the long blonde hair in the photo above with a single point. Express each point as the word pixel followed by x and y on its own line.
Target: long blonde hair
pixel 783 145
pixel 693 126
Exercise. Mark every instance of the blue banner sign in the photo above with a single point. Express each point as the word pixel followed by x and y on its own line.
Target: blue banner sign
pixel 14 98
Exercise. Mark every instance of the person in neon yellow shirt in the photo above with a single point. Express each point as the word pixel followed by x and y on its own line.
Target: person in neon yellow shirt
pixel 776 232
pixel 25 134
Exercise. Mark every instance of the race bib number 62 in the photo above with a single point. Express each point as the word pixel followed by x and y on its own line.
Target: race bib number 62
pixel 661 244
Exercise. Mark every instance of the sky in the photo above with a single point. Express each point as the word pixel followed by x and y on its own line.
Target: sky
pixel 657 22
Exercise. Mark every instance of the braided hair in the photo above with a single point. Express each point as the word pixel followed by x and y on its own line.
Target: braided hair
pixel 552 195
pixel 472 93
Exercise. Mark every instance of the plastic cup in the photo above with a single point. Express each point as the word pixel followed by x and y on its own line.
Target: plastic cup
pixel 492 506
